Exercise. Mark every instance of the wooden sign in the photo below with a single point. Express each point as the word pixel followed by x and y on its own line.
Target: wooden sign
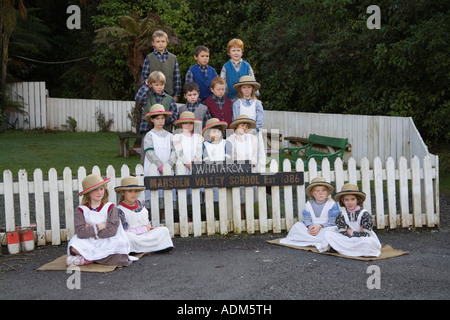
pixel 221 168
pixel 229 180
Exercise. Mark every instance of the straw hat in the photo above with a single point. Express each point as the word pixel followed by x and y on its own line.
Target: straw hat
pixel 129 183
pixel 242 118
pixel 214 123
pixel 349 188
pixel 156 110
pixel 92 182
pixel 246 80
pixel 186 117
pixel 319 181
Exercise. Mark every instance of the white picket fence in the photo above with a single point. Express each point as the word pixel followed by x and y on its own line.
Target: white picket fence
pixel 399 197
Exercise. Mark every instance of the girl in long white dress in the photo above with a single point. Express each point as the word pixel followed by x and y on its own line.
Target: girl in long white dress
pixel 354 235
pixel 319 217
pixel 134 217
pixel 99 236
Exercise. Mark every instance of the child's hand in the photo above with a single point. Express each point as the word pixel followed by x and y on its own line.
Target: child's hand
pixel 149 228
pixel 349 231
pixel 314 230
pixel 188 165
pixel 101 226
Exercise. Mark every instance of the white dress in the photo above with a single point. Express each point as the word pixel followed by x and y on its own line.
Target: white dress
pixel 354 246
pixel 162 146
pixel 151 241
pixel 96 249
pixel 299 234
pixel 216 152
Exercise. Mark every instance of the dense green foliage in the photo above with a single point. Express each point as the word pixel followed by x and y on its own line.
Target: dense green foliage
pixel 308 55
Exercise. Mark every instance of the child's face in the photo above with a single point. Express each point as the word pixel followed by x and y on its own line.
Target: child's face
pixel 350 202
pixel 242 128
pixel 160 44
pixel 215 135
pixel 235 53
pixel 246 91
pixel 96 195
pixel 320 194
pixel 158 87
pixel 218 90
pixel 130 196
pixel 187 126
pixel 202 58
pixel 158 122
pixel 191 96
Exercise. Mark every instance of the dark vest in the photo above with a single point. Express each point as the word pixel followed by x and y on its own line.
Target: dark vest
pixel 203 82
pixel 167 68
pixel 224 114
pixel 233 76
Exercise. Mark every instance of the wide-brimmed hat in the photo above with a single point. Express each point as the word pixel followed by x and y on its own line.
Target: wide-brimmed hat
pixel 319 181
pixel 246 80
pixel 186 117
pixel 92 182
pixel 156 110
pixel 129 183
pixel 349 188
pixel 243 118
pixel 214 123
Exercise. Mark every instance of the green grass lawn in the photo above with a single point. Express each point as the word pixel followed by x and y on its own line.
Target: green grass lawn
pixel 37 149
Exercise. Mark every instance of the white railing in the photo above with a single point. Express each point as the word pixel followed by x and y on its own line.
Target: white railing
pixel 401 196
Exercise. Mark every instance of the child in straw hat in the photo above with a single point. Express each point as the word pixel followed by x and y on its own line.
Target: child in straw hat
pixel 354 235
pixel 244 145
pixel 319 217
pixel 158 147
pixel 247 103
pixel 187 144
pixel 215 147
pixel 134 217
pixel 99 236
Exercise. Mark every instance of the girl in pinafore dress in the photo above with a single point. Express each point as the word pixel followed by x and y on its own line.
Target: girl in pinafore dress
pixel 134 217
pixel 215 147
pixel 99 235
pixel 158 148
pixel 319 217
pixel 354 235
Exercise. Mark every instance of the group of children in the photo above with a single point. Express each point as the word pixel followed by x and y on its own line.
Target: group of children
pixel 107 234
pixel 348 231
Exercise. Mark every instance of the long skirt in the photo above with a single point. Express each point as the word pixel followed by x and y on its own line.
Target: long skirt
pixel 299 236
pixel 354 246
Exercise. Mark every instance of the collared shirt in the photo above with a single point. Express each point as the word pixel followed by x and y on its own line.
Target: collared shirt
pixel 190 75
pixel 163 58
pixel 219 101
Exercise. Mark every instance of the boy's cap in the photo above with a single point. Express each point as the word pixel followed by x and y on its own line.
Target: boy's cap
pixel 215 123
pixel 246 80
pixel 319 181
pixel 243 118
pixel 156 110
pixel 92 182
pixel 349 188
pixel 129 183
pixel 186 117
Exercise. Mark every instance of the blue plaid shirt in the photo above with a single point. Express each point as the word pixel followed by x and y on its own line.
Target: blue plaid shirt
pixel 163 58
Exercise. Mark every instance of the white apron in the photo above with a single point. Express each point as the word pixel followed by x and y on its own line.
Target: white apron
pixel 299 233
pixel 153 240
pixel 216 152
pixel 354 246
pixel 249 111
pixel 162 151
pixel 96 249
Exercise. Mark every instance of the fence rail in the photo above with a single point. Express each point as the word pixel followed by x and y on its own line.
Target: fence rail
pixel 399 196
